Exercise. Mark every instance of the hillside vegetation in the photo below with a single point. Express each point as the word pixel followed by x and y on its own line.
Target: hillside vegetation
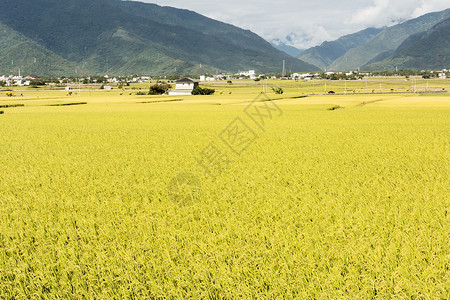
pixel 19 52
pixel 425 50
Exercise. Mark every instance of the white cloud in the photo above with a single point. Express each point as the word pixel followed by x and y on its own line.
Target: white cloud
pixel 385 12
pixel 309 23
pixel 430 6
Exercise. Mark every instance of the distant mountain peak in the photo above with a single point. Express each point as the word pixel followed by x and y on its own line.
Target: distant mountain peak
pixel 288 49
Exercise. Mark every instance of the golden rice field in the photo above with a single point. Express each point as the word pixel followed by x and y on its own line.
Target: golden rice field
pixel 155 197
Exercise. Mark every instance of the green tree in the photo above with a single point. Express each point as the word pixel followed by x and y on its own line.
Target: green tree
pixel 159 89
pixel 203 91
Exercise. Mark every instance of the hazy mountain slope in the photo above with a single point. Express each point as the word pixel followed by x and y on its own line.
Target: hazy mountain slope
pixel 19 52
pixel 325 54
pixel 387 40
pixel 130 37
pixel 426 50
pixel 291 50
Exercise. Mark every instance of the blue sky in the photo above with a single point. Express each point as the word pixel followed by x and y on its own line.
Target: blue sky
pixel 306 23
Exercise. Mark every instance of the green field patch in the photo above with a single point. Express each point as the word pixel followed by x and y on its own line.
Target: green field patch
pixel 160 101
pixel 369 102
pixel 335 107
pixel 298 97
pixel 442 94
pixel 284 98
pixel 67 104
pixel 11 105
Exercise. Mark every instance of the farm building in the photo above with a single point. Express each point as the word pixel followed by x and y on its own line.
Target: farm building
pixel 184 86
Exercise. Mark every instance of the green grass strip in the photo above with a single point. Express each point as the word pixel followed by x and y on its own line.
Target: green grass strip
pixel 68 104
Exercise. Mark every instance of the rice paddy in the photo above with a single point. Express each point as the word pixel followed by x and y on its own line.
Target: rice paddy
pixel 106 194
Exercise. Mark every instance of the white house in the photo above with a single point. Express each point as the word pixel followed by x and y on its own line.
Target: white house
pixel 249 73
pixel 184 86
pixel 305 76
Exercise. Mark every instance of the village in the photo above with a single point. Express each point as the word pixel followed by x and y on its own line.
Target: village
pixel 107 81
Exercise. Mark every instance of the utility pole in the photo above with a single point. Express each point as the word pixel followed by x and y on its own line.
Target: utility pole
pixel 283 74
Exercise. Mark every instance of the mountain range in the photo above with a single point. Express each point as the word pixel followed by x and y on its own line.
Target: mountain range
pixel 324 55
pixel 420 43
pixel 115 37
pixel 424 50
pixel 67 37
pixel 282 46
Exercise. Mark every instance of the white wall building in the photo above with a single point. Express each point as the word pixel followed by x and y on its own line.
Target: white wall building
pixel 249 73
pixel 184 86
